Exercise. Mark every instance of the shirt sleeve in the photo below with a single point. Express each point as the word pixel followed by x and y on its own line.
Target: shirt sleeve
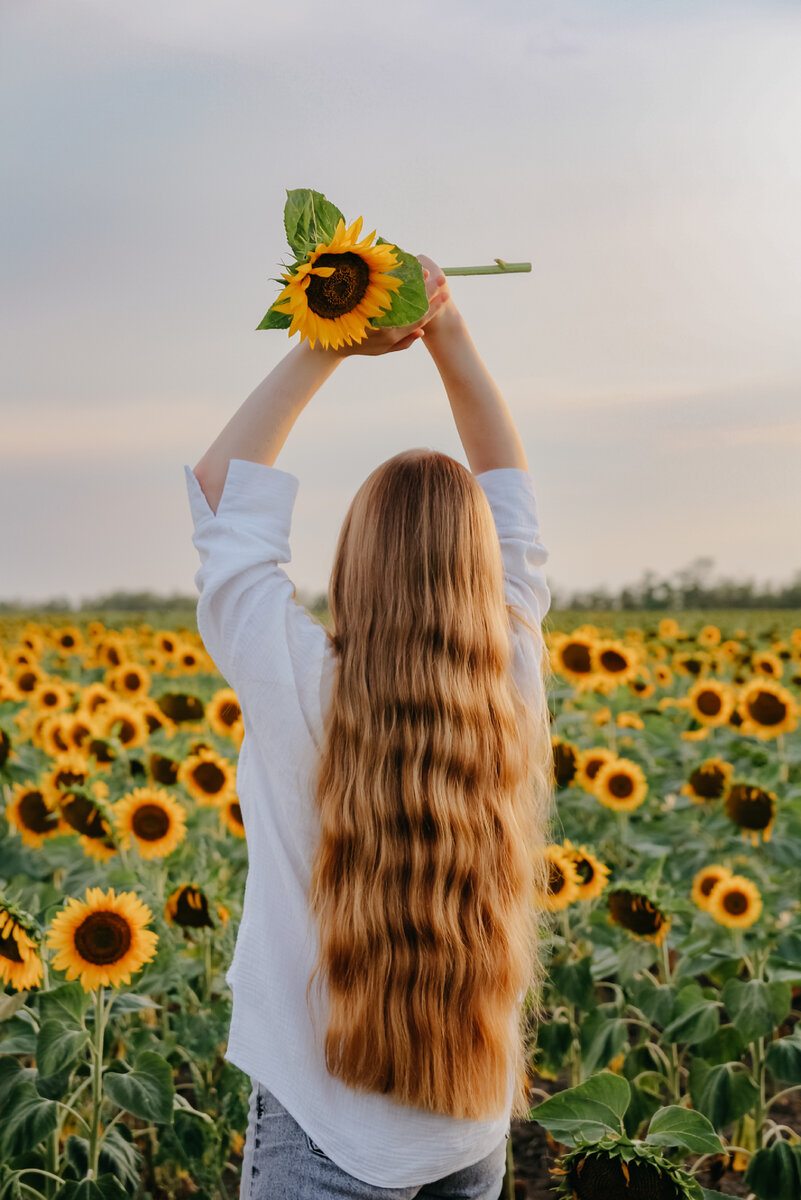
pixel 510 493
pixel 247 616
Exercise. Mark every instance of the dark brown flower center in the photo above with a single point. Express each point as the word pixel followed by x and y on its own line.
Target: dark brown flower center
pixel 179 706
pixel 620 785
pixel 35 815
pixel 613 661
pixel 9 949
pixel 585 869
pixel 236 812
pixel 708 703
pixel 341 292
pixel 749 807
pixel 556 879
pixel 708 882
pixel 229 713
pixel 708 782
pixel 609 1177
pixel 735 903
pixel 576 657
pixel 162 769
pixel 209 778
pixel 150 822
pixel 192 909
pixel 79 812
pixel 766 708
pixel 103 937
pixel 635 912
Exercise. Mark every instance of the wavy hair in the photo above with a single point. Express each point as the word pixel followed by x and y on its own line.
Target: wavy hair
pixel 433 787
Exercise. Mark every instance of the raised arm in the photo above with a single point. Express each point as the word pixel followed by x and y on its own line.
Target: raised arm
pixel 485 424
pixel 261 425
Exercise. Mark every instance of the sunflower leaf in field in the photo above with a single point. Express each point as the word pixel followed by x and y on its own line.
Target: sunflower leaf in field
pixel 574 981
pixel 602 1039
pixel 105 1187
pixel 694 1025
pixel 409 302
pixel 775 1172
pixel 57 1046
pixel 28 1118
pixel 655 1002
pixel 589 1111
pixel 723 1093
pixel 726 1045
pixel 66 1004
pixel 756 1007
pixel 147 1090
pixel 783 1059
pixel 684 1129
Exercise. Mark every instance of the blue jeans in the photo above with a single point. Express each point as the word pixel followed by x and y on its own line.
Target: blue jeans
pixel 281 1162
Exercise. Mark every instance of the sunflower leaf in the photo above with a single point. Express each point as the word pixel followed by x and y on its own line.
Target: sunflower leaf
pixel 275 319
pixel 309 219
pixel 756 1007
pixel 147 1091
pixel 589 1111
pixel 774 1173
pixel 409 302
pixel 683 1128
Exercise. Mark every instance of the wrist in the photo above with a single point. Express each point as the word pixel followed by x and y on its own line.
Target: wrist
pixel 448 326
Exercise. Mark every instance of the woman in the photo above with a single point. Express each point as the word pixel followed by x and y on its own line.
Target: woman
pixel 394 781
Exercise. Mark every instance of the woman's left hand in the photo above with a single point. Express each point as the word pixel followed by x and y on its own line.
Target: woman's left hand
pixel 399 337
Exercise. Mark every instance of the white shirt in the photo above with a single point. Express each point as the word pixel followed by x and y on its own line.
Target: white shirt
pixel 279 661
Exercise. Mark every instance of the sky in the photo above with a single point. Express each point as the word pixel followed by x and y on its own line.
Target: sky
pixel 643 157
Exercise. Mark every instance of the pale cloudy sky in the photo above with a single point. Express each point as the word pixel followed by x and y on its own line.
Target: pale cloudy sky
pixel 644 157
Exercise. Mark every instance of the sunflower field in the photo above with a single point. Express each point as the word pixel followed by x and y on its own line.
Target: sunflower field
pixel 668 1061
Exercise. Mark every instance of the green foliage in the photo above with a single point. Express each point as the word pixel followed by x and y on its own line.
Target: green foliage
pixel 774 1172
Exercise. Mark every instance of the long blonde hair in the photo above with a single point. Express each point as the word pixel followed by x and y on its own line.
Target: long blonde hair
pixel 433 788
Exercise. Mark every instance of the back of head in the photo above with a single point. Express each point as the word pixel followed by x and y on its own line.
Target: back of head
pixel 433 789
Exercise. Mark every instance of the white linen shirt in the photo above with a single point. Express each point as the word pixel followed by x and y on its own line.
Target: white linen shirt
pixel 279 661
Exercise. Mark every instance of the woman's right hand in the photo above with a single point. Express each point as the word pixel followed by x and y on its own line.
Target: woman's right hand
pixel 436 289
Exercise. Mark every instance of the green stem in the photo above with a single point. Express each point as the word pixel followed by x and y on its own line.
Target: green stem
pixel 508 1189
pixel 501 268
pixel 97 1083
pixel 761 1107
pixel 780 1095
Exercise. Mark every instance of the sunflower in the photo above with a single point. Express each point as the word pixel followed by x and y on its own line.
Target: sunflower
pixel 51 735
pixel 188 907
pixel 592 873
pixel 208 776
pixel 669 628
pixel 31 816
pixel 691 662
pixel 589 764
pixel 124 722
pixel 767 663
pixel 663 675
pixel 155 821
pixel 705 881
pixel 167 643
pixel 20 961
pixel 224 712
pixel 163 769
pixel 735 901
pixel 103 940
pixel 563 879
pixel 333 295
pixel 709 636
pixel 708 781
pixel 710 702
pixel 129 680
pixel 49 696
pixel 181 707
pixel 70 771
pixel 572 656
pixel 5 747
pixel 154 717
pixel 231 817
pixel 94 697
pixel 616 1167
pixel 636 910
pixel 752 809
pixel 565 758
pixel 620 785
pixel 767 709
pixel 614 661
pixel 630 720
pixel 69 640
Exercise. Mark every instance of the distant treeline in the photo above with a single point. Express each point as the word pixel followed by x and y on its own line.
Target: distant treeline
pixel 688 588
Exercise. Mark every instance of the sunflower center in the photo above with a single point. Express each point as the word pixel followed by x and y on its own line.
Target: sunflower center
pixel 10 950
pixel 5 746
pixel 229 713
pixel 707 782
pixel 767 708
pixel 35 814
pixel 607 1176
pixel 750 808
pixel 564 761
pixel 236 812
pixel 613 661
pixel 556 879
pixel 103 937
pixel 150 822
pixel 79 812
pixel 576 657
pixel 209 778
pixel 132 681
pixel 192 909
pixel 163 769
pixel 708 882
pixel 621 786
pixel 709 703
pixel 635 913
pixel 585 870
pixel 342 291
pixel 735 903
